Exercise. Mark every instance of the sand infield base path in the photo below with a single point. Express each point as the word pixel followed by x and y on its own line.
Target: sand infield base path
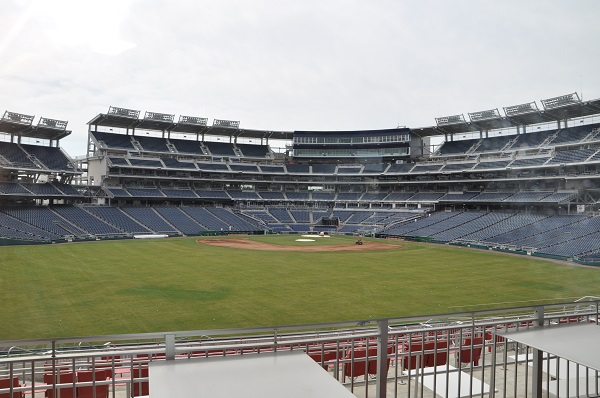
pixel 248 244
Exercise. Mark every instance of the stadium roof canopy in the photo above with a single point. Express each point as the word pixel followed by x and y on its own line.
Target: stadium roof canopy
pixel 21 124
pixel 129 119
pixel 554 109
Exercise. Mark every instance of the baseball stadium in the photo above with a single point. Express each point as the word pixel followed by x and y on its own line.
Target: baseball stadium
pixel 179 257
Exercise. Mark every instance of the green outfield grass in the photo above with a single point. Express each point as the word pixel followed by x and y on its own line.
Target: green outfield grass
pixel 134 286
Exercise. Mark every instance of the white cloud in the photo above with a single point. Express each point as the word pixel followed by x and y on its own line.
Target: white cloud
pixel 286 65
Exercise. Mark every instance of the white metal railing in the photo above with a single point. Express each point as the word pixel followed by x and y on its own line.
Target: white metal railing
pixel 403 357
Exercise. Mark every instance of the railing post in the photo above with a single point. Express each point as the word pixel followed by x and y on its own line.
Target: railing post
pixel 170 346
pixel 538 357
pixel 382 358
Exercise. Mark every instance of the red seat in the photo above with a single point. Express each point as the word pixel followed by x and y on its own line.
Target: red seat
pixel 140 387
pixel 438 353
pixel 88 391
pixel 8 383
pixel 60 378
pixel 414 352
pixel 372 367
pixel 471 350
pixel 358 365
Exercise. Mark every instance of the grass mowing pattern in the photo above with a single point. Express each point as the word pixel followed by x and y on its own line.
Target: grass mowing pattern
pixel 135 286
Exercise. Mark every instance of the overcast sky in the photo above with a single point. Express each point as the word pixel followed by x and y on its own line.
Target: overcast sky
pixel 293 65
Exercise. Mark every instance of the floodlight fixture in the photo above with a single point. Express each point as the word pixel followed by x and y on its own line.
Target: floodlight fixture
pixel 52 123
pixel 484 115
pixel 17 118
pixel 130 113
pixel 563 100
pixel 198 121
pixel 226 123
pixel 521 109
pixel 445 120
pixel 161 117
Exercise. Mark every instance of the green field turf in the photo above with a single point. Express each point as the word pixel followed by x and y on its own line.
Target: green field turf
pixel 134 286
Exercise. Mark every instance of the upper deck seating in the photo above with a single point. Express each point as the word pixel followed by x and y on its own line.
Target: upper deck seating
pixel 375 168
pixel 179 193
pixel 114 161
pixel 67 189
pixel 53 158
pixel 254 150
pixel 323 196
pixel 558 197
pixel 348 196
pixel 272 169
pixel 400 168
pixel 220 148
pixel 152 144
pixel 294 168
pixel 272 195
pixel 458 166
pixel 373 196
pixel 527 197
pixel 145 192
pixel 458 196
pixel 207 194
pixel 117 192
pixel 493 144
pixel 172 163
pixel 572 156
pixel 245 168
pixel 498 164
pixel 323 168
pixel 456 147
pixel 212 166
pixel 153 163
pixel 45 189
pixel 13 188
pixel 526 162
pixel 399 196
pixel 15 156
pixel 243 195
pixel 425 167
pixel 426 196
pixel 114 141
pixel 573 134
pixel 348 170
pixel 532 140
pixel 303 196
pixel 491 196
pixel 186 146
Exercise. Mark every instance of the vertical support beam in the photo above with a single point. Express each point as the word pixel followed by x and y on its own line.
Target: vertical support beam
pixel 382 349
pixel 538 357
pixel 170 346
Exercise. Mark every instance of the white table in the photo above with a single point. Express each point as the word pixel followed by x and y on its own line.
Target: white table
pixel 575 343
pixel 578 387
pixel 290 374
pixel 436 379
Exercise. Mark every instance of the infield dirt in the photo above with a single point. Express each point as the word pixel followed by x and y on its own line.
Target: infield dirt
pixel 253 245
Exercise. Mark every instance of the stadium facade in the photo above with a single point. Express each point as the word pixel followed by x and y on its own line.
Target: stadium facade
pixel 526 181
